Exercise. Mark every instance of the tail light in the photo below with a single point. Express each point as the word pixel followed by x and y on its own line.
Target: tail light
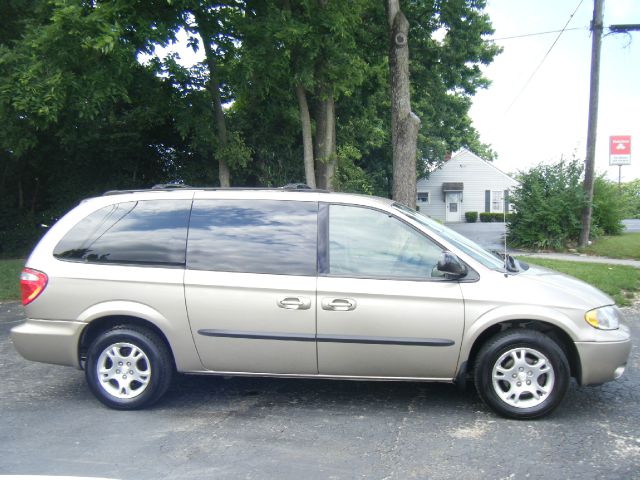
pixel 32 284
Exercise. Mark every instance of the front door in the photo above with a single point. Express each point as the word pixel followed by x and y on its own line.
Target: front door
pixel 452 201
pixel 383 310
pixel 250 285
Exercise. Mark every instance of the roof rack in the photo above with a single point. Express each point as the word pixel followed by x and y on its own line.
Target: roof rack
pixel 165 186
pixel 298 187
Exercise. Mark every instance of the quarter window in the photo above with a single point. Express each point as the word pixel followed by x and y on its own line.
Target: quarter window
pixel 369 243
pixel 257 236
pixel 149 232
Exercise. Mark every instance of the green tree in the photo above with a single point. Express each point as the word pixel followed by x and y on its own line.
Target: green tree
pixel 80 115
pixel 631 198
pixel 548 207
pixel 548 203
pixel 608 208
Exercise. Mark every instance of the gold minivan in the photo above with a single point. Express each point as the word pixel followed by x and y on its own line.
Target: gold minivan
pixel 133 286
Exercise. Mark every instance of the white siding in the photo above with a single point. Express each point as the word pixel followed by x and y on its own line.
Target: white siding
pixel 476 175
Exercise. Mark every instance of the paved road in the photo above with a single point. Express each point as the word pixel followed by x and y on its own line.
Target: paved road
pixel 290 429
pixel 491 235
pixel 631 225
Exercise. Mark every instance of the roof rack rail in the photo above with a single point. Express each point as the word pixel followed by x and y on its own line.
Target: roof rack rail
pixel 164 186
pixel 299 187
pixel 296 186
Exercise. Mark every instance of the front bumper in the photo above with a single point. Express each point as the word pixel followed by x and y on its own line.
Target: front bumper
pixel 49 341
pixel 602 361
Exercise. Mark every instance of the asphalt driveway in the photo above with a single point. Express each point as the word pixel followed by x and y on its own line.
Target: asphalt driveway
pixel 491 235
pixel 230 428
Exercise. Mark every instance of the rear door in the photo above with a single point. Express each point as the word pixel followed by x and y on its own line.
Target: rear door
pixel 383 309
pixel 250 285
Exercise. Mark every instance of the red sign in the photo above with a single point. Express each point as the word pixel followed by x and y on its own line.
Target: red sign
pixel 620 150
pixel 620 145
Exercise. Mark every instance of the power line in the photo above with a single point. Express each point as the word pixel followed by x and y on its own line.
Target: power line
pixel 543 59
pixel 539 33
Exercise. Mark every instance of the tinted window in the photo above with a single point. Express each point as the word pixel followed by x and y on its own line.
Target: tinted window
pixel 253 236
pixel 145 232
pixel 370 243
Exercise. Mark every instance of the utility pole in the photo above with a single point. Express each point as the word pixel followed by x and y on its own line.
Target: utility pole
pixel 592 130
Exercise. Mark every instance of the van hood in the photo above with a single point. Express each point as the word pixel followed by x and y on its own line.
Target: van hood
pixel 567 288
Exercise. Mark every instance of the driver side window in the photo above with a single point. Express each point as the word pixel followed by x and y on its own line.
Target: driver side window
pixel 370 243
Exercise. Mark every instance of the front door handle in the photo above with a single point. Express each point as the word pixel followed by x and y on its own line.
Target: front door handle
pixel 295 303
pixel 339 304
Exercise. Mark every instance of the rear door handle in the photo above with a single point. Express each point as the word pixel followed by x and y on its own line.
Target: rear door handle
pixel 339 304
pixel 295 303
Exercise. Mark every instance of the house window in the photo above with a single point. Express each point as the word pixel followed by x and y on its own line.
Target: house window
pixel 423 197
pixel 497 200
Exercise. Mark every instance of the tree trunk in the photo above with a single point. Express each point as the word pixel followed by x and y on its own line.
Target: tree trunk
pixel 404 123
pixel 321 137
pixel 213 87
pixel 307 136
pixel 330 142
pixel 34 196
pixel 325 139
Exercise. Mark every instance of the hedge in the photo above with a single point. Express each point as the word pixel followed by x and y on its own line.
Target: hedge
pixel 495 217
pixel 471 217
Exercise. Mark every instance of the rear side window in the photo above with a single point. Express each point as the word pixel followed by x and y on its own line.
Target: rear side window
pixel 149 232
pixel 253 236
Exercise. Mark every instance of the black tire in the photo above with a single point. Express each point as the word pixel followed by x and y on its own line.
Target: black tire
pixel 138 350
pixel 523 387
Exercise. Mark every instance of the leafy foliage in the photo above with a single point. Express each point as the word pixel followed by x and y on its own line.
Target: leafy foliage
pixel 489 217
pixel 631 198
pixel 549 202
pixel 471 217
pixel 548 205
pixel 608 208
pixel 81 114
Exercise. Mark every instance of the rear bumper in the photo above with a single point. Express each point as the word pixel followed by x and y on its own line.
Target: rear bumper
pixel 602 361
pixel 48 341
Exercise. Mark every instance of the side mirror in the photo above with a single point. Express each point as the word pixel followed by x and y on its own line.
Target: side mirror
pixel 451 266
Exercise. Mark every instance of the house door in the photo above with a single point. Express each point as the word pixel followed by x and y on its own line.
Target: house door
pixel 452 206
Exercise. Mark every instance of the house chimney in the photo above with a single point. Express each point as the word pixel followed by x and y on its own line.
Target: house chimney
pixel 447 156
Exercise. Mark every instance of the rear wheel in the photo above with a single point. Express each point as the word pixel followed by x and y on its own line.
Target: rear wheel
pixel 128 367
pixel 522 374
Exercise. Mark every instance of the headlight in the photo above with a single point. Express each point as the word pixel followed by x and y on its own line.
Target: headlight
pixel 604 318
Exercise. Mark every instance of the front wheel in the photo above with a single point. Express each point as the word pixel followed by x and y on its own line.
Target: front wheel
pixel 522 374
pixel 128 368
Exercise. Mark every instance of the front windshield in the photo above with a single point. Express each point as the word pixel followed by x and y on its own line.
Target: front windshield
pixel 469 247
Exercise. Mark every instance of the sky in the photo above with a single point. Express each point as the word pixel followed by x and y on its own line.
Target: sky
pixel 546 119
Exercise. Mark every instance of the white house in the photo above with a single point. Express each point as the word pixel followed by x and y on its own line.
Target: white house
pixel 464 183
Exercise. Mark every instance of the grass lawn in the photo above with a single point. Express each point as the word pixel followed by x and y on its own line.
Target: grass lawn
pixel 9 279
pixel 619 281
pixel 626 245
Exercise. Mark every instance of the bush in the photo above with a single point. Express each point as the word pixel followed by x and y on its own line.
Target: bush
pixel 548 206
pixel 608 208
pixel 631 199
pixel 549 203
pixel 471 217
pixel 18 233
pixel 494 217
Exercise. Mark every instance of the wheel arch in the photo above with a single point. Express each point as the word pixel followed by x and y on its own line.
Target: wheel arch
pixel 556 333
pixel 108 322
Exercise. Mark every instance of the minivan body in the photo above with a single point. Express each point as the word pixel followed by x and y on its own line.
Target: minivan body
pixel 133 286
